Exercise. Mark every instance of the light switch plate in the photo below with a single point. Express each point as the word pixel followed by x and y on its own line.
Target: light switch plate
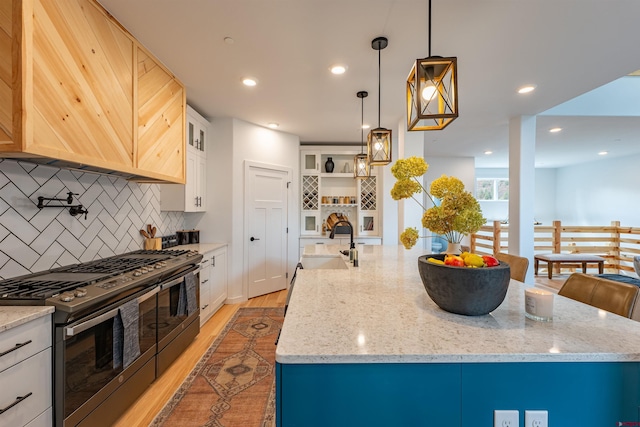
pixel 506 418
pixel 536 419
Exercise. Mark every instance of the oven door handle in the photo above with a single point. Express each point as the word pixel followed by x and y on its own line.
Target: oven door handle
pixel 179 280
pixel 73 330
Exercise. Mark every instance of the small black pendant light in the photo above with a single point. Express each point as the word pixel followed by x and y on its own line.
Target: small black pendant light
pixel 361 168
pixel 432 91
pixel 379 139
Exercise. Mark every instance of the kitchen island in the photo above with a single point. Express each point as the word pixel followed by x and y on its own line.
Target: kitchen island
pixel 367 346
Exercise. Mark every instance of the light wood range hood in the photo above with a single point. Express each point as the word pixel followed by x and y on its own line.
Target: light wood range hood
pixel 78 91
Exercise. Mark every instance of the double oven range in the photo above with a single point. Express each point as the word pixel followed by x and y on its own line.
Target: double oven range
pixel 119 322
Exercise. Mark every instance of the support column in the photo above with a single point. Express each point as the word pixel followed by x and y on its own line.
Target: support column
pixel 522 151
pixel 391 212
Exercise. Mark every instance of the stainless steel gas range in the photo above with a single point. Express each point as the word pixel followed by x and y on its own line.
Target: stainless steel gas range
pixel 119 322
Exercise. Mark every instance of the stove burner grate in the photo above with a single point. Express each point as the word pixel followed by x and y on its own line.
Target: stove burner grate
pixel 46 284
pixel 37 289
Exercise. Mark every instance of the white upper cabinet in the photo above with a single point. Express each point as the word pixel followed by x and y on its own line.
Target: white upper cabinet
pixel 310 161
pixel 190 197
pixel 197 130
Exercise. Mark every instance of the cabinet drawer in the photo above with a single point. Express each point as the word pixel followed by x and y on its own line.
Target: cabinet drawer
pixel 45 419
pixel 32 375
pixel 25 340
pixel 318 241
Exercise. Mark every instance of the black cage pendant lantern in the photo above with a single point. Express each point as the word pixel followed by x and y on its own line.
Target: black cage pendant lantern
pixel 432 91
pixel 379 139
pixel 361 168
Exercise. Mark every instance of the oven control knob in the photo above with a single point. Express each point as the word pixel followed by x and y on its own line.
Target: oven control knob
pixel 145 270
pixel 158 265
pixel 80 292
pixel 137 273
pixel 66 297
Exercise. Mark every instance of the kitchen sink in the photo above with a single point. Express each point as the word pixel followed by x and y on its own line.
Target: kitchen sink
pixel 332 262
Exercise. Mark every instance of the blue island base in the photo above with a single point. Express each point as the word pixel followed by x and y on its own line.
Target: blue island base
pixel 585 394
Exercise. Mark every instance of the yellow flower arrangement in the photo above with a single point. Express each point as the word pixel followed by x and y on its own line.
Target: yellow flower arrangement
pixel 457 213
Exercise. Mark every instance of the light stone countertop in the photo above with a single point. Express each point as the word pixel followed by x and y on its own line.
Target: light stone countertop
pixel 16 315
pixel 381 313
pixel 202 248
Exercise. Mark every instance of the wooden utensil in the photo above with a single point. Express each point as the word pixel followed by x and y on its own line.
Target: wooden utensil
pixel 151 231
pixel 144 234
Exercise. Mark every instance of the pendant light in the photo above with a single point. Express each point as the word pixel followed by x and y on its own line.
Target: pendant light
pixel 379 139
pixel 361 168
pixel 432 91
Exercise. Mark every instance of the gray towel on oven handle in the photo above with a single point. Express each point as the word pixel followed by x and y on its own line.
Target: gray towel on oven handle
pixel 182 300
pixel 192 297
pixel 187 298
pixel 126 343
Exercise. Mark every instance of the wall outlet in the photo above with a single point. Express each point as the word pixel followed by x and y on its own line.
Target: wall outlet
pixel 536 419
pixel 509 418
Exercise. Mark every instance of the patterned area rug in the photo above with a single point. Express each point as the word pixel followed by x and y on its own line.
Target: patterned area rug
pixel 233 385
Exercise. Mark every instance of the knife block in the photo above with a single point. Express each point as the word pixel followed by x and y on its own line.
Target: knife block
pixel 154 244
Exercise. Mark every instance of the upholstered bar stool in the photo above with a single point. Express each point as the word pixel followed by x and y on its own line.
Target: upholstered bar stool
pixel 517 264
pixel 609 295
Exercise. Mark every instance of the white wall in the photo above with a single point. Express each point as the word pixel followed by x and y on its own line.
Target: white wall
pixel 390 210
pixel 545 196
pixel 599 192
pixel 234 142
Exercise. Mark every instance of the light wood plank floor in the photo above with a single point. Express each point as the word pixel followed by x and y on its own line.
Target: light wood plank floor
pixel 144 410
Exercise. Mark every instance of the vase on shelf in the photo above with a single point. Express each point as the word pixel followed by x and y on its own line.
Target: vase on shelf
pixel 328 166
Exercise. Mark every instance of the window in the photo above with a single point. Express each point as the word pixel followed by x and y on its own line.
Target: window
pixel 492 189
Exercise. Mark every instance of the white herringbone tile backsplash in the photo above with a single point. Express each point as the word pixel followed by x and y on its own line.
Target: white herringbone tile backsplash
pixel 33 239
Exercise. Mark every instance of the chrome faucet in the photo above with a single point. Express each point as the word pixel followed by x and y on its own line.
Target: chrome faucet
pixel 333 231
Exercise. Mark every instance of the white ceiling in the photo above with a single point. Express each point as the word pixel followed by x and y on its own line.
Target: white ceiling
pixel 565 47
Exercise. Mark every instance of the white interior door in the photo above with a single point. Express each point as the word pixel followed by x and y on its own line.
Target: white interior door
pixel 266 230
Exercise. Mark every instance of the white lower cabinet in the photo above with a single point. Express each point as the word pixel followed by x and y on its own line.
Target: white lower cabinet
pixel 26 374
pixel 304 241
pixel 213 283
pixel 205 290
pixel 42 420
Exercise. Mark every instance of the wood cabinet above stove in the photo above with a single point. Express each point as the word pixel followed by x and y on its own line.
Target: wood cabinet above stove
pixel 79 91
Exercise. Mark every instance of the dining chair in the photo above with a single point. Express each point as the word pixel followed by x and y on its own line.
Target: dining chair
pixel 517 264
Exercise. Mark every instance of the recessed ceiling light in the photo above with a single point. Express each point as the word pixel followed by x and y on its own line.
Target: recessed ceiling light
pixel 488 152
pixel 273 125
pixel 603 153
pixel 554 130
pixel 338 69
pixel 228 40
pixel 365 126
pixel 249 81
pixel 527 89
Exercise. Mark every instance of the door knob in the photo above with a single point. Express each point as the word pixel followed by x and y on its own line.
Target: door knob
pixel 253 238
